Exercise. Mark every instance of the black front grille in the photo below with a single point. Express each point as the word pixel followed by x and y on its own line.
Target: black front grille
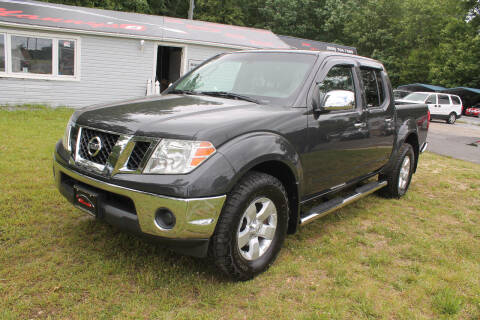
pixel 137 155
pixel 108 141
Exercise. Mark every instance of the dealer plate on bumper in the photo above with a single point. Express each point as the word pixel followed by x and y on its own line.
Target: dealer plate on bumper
pixel 86 200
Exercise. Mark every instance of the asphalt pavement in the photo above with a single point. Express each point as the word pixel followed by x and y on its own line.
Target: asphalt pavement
pixel 461 140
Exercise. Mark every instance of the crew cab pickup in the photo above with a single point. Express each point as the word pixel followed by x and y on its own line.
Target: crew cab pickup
pixel 241 151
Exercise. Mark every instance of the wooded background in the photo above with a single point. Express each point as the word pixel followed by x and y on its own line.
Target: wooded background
pixel 427 41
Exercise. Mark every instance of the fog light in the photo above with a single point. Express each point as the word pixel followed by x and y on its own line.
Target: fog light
pixel 164 218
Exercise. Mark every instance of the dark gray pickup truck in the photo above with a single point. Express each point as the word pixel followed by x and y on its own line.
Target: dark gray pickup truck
pixel 241 151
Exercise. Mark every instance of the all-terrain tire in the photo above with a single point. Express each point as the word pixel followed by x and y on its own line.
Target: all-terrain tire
pixel 396 188
pixel 224 246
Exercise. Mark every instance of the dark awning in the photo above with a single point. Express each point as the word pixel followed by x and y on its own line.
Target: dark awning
pixel 421 87
pixel 305 44
pixel 133 24
pixel 470 96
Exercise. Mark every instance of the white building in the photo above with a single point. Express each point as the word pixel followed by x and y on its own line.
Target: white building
pixel 65 55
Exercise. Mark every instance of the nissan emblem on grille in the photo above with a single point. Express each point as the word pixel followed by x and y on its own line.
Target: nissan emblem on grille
pixel 94 146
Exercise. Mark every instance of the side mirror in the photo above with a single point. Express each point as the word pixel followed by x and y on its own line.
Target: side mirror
pixel 333 100
pixel 338 100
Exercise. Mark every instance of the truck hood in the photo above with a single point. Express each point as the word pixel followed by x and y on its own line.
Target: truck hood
pixel 186 117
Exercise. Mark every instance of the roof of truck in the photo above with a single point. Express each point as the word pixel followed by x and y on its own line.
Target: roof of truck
pixel 325 53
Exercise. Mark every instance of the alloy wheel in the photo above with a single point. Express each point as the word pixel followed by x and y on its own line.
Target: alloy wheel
pixel 404 173
pixel 257 228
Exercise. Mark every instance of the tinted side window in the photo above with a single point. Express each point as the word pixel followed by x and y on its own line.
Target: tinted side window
pixel 432 99
pixel 443 99
pixel 456 100
pixel 374 88
pixel 339 78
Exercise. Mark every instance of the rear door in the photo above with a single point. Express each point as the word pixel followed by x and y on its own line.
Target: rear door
pixel 380 116
pixel 445 105
pixel 338 141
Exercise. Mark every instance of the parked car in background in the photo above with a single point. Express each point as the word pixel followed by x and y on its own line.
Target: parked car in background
pixel 442 106
pixel 399 94
pixel 473 111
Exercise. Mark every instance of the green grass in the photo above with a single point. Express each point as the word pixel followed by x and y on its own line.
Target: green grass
pixel 414 258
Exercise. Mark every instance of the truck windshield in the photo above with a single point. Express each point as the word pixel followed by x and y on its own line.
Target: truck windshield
pixel 264 77
pixel 416 96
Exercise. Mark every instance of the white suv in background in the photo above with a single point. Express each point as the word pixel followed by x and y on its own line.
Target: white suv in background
pixel 441 105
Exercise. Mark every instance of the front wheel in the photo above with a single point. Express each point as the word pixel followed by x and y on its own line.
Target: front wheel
pixel 399 178
pixel 452 118
pixel 252 227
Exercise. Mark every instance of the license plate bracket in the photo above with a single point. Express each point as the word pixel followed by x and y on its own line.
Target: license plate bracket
pixel 86 199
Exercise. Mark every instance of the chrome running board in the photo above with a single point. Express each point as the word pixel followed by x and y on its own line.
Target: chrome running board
pixel 424 147
pixel 339 202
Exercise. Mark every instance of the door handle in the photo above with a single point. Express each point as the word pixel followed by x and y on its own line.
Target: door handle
pixel 360 125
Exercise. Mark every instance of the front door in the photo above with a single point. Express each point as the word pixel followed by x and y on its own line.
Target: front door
pixel 432 104
pixel 337 140
pixel 169 63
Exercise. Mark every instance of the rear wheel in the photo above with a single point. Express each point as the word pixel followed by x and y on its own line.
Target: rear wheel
pixel 452 117
pixel 252 227
pixel 399 178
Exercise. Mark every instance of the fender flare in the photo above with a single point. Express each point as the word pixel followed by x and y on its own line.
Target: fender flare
pixel 262 147
pixel 407 128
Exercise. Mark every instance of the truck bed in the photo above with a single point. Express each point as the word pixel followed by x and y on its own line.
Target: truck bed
pixel 417 113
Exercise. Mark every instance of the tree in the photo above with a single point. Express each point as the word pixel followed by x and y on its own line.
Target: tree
pixel 223 11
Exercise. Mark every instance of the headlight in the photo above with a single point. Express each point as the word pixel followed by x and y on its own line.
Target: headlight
pixel 178 156
pixel 66 136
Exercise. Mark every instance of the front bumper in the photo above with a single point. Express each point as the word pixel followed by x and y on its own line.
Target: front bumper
pixel 196 218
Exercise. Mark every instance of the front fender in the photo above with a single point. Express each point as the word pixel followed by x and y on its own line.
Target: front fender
pixel 247 151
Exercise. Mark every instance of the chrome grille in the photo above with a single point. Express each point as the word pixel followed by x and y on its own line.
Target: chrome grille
pixel 73 139
pixel 137 155
pixel 108 142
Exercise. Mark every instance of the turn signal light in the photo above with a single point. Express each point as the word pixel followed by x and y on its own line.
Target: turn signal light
pixel 202 152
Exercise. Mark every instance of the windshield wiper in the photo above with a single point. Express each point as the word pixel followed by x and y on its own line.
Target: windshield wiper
pixel 178 91
pixel 230 95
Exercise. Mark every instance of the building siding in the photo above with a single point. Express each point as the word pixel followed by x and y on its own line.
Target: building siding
pixel 199 53
pixel 111 69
